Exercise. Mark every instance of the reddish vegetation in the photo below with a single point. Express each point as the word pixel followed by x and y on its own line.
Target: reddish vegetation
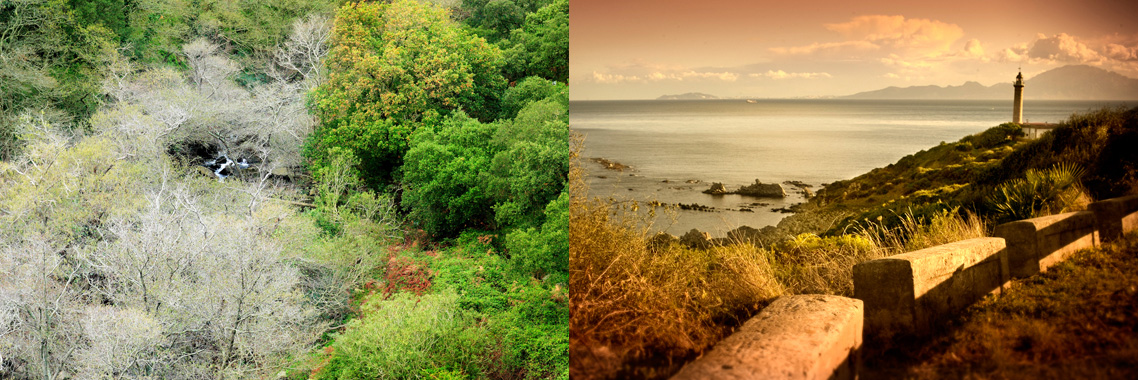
pixel 405 274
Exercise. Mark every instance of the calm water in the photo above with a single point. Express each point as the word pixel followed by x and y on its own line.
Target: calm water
pixel 690 144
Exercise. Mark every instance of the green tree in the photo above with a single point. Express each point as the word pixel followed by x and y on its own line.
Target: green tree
pixel 392 68
pixel 444 173
pixel 545 251
pixel 532 165
pixel 466 174
pixel 111 14
pixel 48 61
pixel 526 91
pixel 541 46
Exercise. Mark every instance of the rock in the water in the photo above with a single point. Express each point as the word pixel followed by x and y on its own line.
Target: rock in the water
pixel 759 189
pixel 696 239
pixel 716 189
pixel 661 241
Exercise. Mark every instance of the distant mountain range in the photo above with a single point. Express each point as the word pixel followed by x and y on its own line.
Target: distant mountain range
pixel 1075 82
pixel 688 96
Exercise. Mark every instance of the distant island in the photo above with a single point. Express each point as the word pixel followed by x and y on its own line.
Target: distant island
pixel 1073 82
pixel 688 96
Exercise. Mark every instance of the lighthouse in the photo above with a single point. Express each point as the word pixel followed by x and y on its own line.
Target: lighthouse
pixel 1017 108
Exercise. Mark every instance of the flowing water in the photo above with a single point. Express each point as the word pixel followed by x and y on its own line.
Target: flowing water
pixel 676 149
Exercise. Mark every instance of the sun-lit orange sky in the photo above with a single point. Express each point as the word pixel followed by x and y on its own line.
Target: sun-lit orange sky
pixel 620 49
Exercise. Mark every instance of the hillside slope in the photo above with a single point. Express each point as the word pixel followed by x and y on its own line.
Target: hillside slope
pixel 962 175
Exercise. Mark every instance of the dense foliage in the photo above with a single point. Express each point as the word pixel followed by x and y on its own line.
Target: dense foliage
pixel 417 102
pixel 466 174
pixel 150 162
pixel 49 64
pixel 392 68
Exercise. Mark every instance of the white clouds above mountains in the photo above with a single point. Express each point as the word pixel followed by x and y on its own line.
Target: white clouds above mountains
pixel 899 32
pixel 1113 53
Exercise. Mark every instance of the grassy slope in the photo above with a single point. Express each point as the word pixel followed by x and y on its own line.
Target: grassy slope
pixel 1077 320
pixel 962 173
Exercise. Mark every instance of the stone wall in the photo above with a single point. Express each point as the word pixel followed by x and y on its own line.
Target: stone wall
pixel 796 337
pixel 820 337
pixel 1115 216
pixel 1037 243
pixel 914 292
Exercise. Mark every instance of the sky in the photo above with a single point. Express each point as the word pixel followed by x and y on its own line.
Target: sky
pixel 638 49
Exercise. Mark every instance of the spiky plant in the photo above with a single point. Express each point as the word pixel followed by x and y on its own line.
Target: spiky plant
pixel 1041 192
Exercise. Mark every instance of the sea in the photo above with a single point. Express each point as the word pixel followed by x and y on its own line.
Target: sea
pixel 675 149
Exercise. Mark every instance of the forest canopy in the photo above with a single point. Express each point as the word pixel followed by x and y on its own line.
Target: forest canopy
pixel 292 189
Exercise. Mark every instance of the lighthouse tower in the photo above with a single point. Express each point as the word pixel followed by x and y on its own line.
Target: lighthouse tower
pixel 1017 108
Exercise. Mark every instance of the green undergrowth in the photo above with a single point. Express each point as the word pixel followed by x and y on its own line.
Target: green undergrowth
pixel 463 311
pixel 1077 320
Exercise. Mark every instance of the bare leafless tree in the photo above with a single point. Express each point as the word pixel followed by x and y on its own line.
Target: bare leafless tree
pixel 305 48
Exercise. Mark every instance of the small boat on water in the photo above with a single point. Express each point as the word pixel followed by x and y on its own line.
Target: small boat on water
pixel 752 101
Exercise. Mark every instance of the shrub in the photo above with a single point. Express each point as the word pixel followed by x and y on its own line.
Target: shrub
pixel 1039 193
pixel 994 136
pixel 404 337
pixel 545 251
pixel 920 226
pixel 528 317
pixel 809 264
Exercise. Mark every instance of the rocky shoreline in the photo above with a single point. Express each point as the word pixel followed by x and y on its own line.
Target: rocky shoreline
pixel 806 218
pixel 610 164
pixel 773 199
pixel 747 207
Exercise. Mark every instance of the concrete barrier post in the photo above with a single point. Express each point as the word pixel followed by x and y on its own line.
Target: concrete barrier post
pixel 1115 217
pixel 912 293
pixel 1037 243
pixel 796 337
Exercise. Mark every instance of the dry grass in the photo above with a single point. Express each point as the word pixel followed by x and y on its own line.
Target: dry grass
pixel 640 312
pixel 809 264
pixel 916 232
pixel 1077 320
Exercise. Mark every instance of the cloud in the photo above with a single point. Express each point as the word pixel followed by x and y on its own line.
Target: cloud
pixel 785 75
pixel 1119 52
pixel 973 48
pixel 1016 53
pixel 658 76
pixel 897 31
pixel 895 60
pixel 1116 53
pixel 892 76
pixel 1062 48
pixel 826 47
pixel 614 78
pixel 723 76
pixel 909 43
